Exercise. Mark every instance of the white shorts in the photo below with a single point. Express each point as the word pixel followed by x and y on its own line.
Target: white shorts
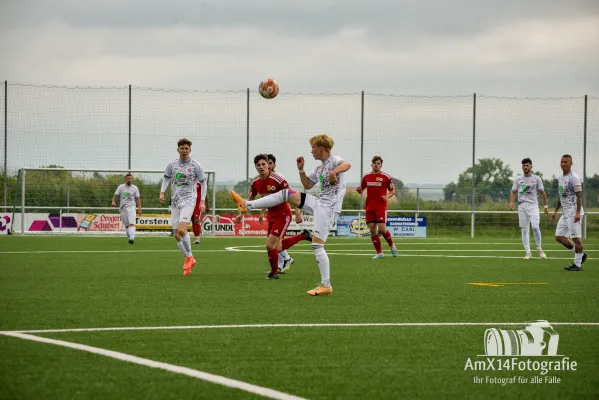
pixel 181 215
pixel 324 217
pixel 568 228
pixel 128 217
pixel 528 213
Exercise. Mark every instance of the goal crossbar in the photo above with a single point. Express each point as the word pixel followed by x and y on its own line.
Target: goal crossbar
pixel 23 180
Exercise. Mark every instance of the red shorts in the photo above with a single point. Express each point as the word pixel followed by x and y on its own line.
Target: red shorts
pixel 197 214
pixel 378 215
pixel 277 225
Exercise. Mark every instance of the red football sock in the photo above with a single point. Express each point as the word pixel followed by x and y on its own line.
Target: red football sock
pixel 377 243
pixel 273 259
pixel 292 240
pixel 196 229
pixel 387 236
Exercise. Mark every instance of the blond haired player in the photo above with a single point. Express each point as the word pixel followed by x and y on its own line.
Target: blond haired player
pixel 325 208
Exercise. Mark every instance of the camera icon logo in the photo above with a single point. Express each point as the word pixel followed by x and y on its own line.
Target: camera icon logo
pixel 538 338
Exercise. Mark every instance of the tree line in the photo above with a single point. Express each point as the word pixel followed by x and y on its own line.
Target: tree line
pixel 492 178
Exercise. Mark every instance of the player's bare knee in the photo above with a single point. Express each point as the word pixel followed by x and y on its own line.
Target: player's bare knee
pixel 181 232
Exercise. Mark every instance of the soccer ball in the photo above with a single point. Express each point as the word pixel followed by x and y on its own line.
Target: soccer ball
pixel 269 88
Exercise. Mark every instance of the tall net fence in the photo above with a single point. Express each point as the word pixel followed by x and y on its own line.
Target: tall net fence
pixel 3 158
pixel 427 143
pixel 592 182
pixel 215 122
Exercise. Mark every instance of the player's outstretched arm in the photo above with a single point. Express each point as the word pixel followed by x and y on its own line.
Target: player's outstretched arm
pixel 306 183
pixel 339 169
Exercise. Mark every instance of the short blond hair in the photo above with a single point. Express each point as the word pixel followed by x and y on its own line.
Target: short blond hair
pixel 323 140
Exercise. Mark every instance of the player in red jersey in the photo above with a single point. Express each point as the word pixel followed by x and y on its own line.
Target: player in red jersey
pixel 197 216
pixel 380 189
pixel 279 216
pixel 285 260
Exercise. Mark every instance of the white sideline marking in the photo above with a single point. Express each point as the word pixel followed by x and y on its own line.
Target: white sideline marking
pixel 105 251
pixel 329 325
pixel 370 253
pixel 204 376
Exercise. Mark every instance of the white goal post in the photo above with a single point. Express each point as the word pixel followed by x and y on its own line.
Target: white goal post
pixel 68 201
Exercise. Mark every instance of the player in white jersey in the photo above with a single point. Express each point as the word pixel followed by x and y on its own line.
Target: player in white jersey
pixel 183 174
pixel 568 226
pixel 527 187
pixel 129 197
pixel 325 209
pixel 285 260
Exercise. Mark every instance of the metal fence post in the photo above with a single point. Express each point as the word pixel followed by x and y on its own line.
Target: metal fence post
pixel 129 127
pixel 247 144
pixel 361 154
pixel 473 163
pixel 584 167
pixel 5 143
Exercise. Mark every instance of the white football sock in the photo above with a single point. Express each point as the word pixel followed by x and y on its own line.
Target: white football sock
pixel 128 232
pixel 187 245
pixel 323 264
pixel 537 234
pixel 284 255
pixel 268 201
pixel 526 239
pixel 578 259
pixel 132 230
pixel 181 247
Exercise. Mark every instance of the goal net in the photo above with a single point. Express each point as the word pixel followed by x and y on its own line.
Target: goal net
pixel 78 201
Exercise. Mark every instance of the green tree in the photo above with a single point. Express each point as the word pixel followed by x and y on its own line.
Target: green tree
pixel 492 180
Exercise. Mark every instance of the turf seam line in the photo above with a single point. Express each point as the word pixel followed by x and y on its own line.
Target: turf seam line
pixel 316 325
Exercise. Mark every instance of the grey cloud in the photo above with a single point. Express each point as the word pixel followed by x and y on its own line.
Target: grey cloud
pixel 304 18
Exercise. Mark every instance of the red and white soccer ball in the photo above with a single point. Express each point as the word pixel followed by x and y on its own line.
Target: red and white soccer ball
pixel 269 88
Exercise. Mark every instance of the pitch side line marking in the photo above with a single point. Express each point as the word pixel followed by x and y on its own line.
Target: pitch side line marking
pixel 250 326
pixel 333 253
pixel 204 376
pixel 105 251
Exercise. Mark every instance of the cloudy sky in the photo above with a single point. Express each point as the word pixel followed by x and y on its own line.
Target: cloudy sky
pixel 509 48
pixel 494 47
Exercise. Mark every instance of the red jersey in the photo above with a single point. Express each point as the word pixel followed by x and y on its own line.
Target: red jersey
pixel 376 186
pixel 272 184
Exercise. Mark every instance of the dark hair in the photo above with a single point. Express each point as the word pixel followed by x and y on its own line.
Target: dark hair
pixel 272 157
pixel 183 142
pixel 260 157
pixel 527 161
pixel 567 155
pixel 129 174
pixel 377 158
